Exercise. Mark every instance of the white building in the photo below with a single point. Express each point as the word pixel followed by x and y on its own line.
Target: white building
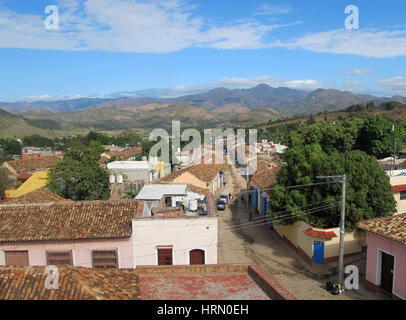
pixel 174 240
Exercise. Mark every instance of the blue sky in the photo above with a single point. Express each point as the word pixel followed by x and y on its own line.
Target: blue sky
pixel 110 47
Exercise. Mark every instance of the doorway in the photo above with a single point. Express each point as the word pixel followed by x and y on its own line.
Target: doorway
pixel 318 252
pixel 196 256
pixel 387 268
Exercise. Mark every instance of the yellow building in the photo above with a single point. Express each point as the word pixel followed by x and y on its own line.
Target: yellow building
pixel 206 176
pixel 38 180
pixel 398 183
pixel 318 245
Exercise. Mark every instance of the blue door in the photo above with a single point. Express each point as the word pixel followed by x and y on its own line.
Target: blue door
pixel 255 198
pixel 318 252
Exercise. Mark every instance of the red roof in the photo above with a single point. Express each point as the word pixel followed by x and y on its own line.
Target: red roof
pixel 401 187
pixel 320 234
pixel 24 176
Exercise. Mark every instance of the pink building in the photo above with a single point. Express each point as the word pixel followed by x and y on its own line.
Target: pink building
pixel 86 234
pixel 386 255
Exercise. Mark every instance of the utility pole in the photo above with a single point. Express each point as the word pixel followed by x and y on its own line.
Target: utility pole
pixel 394 151
pixel 343 179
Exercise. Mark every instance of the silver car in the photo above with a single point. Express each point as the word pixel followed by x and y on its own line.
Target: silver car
pixel 221 205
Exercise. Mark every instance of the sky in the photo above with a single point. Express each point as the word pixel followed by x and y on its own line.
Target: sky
pixel 162 48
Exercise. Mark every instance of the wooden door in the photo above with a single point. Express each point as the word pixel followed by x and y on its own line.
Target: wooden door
pixel 387 272
pixel 17 258
pixel 164 257
pixel 196 256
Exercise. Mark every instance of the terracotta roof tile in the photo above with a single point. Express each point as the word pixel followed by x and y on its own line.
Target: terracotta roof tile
pixel 68 221
pixel 21 166
pixel 38 196
pixel 265 177
pixel 75 283
pixel 204 172
pixel 320 234
pixel 393 227
pixel 126 153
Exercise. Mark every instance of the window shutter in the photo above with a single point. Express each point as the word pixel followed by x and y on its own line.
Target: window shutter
pixel 104 258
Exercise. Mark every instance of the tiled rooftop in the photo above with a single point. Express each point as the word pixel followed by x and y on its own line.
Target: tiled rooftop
pixel 204 172
pixel 265 176
pixel 126 153
pixel 75 283
pixel 33 164
pixel 38 196
pixel 393 227
pixel 68 221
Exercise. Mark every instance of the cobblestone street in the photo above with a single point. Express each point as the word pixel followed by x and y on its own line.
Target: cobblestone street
pixel 244 241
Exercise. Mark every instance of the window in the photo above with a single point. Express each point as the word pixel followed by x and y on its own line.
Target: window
pixel 402 195
pixel 168 202
pixel 59 258
pixel 164 256
pixel 104 258
pixel 17 258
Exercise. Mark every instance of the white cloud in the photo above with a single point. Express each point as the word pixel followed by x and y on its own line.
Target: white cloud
pixel 360 72
pixel 362 42
pixel 304 84
pixel 396 85
pixel 267 9
pixel 127 26
pixel 47 97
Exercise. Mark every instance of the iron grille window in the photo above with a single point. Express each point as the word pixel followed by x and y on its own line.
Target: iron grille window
pixel 59 258
pixel 104 258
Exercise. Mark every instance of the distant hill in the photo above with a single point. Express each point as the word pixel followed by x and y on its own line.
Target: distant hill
pixel 219 107
pixel 14 125
pixel 285 101
pixel 149 116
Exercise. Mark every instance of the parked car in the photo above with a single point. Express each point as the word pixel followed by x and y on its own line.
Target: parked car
pixel 221 205
pixel 224 197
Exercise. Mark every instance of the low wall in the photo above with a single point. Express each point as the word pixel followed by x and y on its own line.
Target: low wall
pixel 269 285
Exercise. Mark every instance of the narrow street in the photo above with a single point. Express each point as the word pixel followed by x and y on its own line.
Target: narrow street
pixel 244 241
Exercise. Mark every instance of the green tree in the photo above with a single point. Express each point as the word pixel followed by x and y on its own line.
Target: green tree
pixel 3 183
pixel 79 177
pixel 132 193
pixel 12 147
pixel 96 146
pixel 376 137
pixel 369 193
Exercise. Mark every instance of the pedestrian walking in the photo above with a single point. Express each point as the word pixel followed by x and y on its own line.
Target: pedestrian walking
pixel 230 196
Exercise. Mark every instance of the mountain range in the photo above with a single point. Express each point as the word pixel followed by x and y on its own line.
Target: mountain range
pixel 218 107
